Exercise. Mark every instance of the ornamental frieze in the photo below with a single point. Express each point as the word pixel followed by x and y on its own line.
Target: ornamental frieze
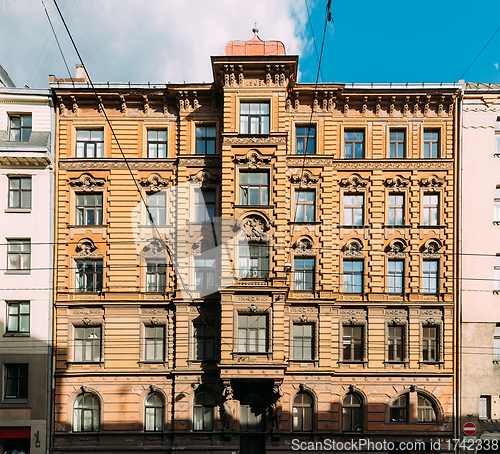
pixel 271 140
pixel 367 165
pixel 252 298
pixel 143 164
pixel 352 312
pixel 154 312
pixel 301 310
pixel 395 312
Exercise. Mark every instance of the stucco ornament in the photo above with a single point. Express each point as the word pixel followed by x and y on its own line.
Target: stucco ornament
pixel 253 159
pixel 86 182
pixel 353 182
pixel 86 247
pixel 155 182
pixel 254 229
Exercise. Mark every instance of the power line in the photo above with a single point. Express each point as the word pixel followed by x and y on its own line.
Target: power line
pixel 314 38
pixel 477 56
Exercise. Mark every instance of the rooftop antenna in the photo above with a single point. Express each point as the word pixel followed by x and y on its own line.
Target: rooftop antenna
pixel 255 29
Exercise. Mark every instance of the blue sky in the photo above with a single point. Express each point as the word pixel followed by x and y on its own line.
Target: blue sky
pixel 172 40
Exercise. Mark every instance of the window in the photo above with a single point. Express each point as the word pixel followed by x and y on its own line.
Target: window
pixel 430 276
pixel 395 343
pixel 19 255
pixel 203 411
pixel 86 413
pixel 19 128
pixel 396 209
pixel 399 409
pixel 353 343
pixel 204 342
pixel 155 341
pixel 353 209
pixel 485 407
pixel 89 276
pixel 496 202
pixel 397 144
pixel 303 274
pixel 156 276
pixel 431 208
pixel 204 269
pixel 303 341
pixel 496 343
pixel 252 333
pixel 254 188
pixel 496 274
pixel 425 410
pixel 155 413
pixel 204 201
pixel 395 278
pixel 354 144
pixel 305 202
pixel 431 144
pixel 429 343
pixel 253 260
pixel 205 139
pixel 351 413
pixel 18 317
pixel 254 118
pixel 253 413
pixel 87 344
pixel 157 208
pixel 20 192
pixel 497 137
pixel 157 144
pixel 352 276
pixel 305 139
pixel 16 381
pixel 89 144
pixel 89 209
pixel 302 412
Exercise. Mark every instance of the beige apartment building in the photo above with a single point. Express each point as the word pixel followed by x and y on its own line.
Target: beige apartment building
pixel 307 287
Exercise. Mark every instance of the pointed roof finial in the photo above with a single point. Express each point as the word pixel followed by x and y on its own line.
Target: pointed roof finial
pixel 255 29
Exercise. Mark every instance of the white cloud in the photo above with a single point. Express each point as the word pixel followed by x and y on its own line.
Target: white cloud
pixel 495 65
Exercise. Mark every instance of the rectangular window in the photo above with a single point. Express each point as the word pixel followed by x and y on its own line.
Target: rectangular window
pixel 395 343
pixel 396 209
pixel 305 203
pixel 353 209
pixel 497 137
pixel 352 276
pixel 20 192
pixel 90 143
pixel 353 343
pixel 89 209
pixel 303 341
pixel 496 343
pixel 204 269
pixel 395 277
pixel 253 260
pixel 305 139
pixel 157 144
pixel 157 208
pixel 252 333
pixel 16 381
pixel 429 343
pixel 431 143
pixel 87 344
pixel 156 276
pixel 19 255
pixel 254 188
pixel 254 118
pixel 303 274
pixel 496 274
pixel 204 205
pixel 205 139
pixel 430 276
pixel 496 208
pixel 431 209
pixel 89 276
pixel 204 342
pixel 397 144
pixel 19 128
pixel 354 144
pixel 485 407
pixel 155 341
pixel 18 317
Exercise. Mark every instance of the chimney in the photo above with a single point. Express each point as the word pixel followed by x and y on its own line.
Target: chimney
pixel 80 73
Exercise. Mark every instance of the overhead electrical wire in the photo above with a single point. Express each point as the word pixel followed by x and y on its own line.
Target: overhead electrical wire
pixel 477 56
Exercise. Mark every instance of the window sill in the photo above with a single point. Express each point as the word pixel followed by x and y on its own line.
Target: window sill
pixel 255 206
pixel 18 210
pixel 436 226
pixel 353 362
pixel 305 222
pixel 86 226
pixel 496 361
pixel 24 272
pixel 396 362
pixel 399 226
pixel 290 360
pixel 496 292
pixel 14 400
pixel 83 363
pixel 431 362
pixel 16 334
pixel 353 227
pixel 151 361
pixel 496 222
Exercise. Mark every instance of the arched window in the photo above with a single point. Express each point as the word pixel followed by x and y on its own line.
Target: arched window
pixel 351 413
pixel 425 410
pixel 86 413
pixel 155 413
pixel 253 413
pixel 302 412
pixel 203 411
pixel 399 409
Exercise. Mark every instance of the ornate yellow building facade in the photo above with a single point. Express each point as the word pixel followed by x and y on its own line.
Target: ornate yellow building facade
pixel 306 292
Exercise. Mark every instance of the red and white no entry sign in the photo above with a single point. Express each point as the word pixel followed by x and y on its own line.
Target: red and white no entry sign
pixel 469 428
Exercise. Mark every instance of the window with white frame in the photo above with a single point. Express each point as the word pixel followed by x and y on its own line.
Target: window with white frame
pixel 397 143
pixel 89 209
pixel 254 188
pixel 20 192
pixel 252 333
pixel 205 139
pixel 399 409
pixel 87 344
pixel 352 276
pixel 303 272
pixel 431 143
pixel 88 276
pixel 352 342
pixel 430 343
pixel 305 139
pixel 154 412
pixel 353 209
pixel 430 276
pixel 90 143
pixel 253 260
pixel 354 144
pixel 303 340
pixel 305 204
pixel 154 340
pixel 156 275
pixel 204 274
pixel 425 409
pixel 395 343
pixel 157 208
pixel 204 205
pixel 396 209
pixel 18 317
pixel 302 412
pixel 395 276
pixel 20 127
pixel 86 413
pixel 431 209
pixel 254 117
pixel 18 255
pixel 157 144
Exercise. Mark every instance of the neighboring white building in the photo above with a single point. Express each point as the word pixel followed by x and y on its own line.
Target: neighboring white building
pixel 479 264
pixel 26 261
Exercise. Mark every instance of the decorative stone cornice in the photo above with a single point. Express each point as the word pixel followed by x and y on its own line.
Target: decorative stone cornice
pixel 86 182
pixel 253 159
pixel 155 182
pixel 354 182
